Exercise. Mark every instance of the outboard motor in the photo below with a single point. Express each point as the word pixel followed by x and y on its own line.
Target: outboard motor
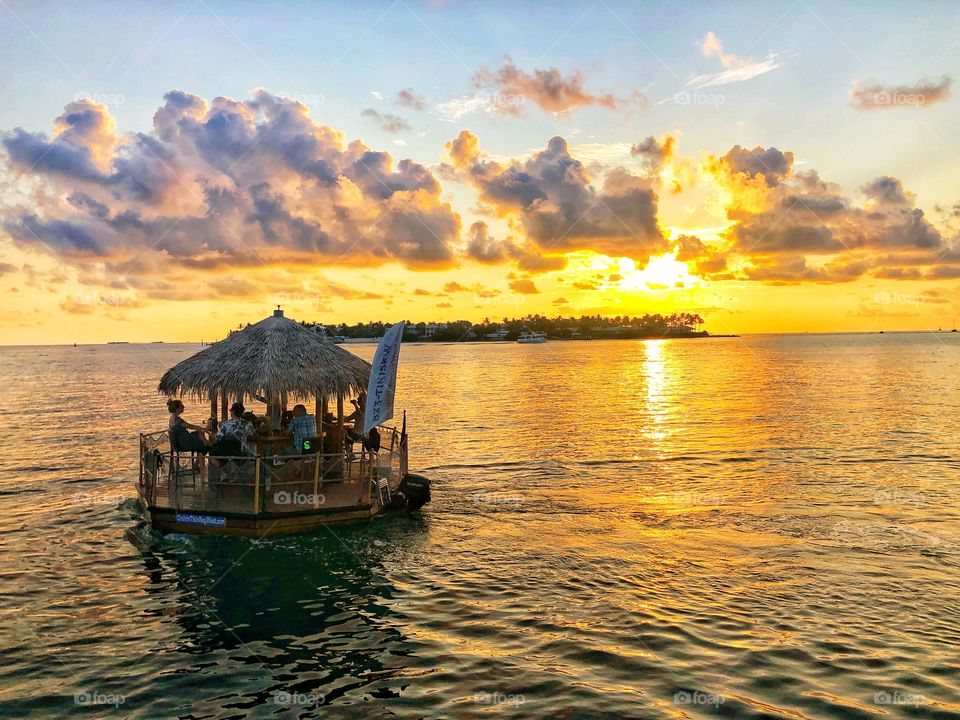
pixel 412 493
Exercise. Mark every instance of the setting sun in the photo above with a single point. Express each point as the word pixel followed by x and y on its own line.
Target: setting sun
pixel 663 272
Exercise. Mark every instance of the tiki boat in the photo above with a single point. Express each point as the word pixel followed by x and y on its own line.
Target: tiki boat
pixel 272 487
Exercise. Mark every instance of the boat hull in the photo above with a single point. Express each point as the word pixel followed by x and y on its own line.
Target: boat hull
pixel 168 520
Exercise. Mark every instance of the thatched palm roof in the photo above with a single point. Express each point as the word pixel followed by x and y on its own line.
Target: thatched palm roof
pixel 270 357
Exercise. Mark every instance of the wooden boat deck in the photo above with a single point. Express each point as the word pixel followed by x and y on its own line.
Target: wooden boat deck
pixel 257 496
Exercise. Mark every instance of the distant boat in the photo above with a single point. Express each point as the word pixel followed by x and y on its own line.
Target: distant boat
pixel 157 342
pixel 528 338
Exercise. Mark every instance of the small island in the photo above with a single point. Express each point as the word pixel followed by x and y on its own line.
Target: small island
pixel 585 327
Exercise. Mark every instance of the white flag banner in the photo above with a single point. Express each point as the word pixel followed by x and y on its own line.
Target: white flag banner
pixel 383 379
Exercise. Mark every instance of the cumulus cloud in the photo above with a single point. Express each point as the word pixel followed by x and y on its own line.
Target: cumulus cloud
pixel 877 96
pixel 781 219
pixel 887 191
pixel 220 185
pixel 736 69
pixel 655 152
pixel 484 248
pixel 660 162
pixel 554 202
pixel 769 163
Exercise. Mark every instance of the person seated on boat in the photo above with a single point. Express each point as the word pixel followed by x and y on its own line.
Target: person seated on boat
pixel 302 426
pixel 329 428
pixel 354 433
pixel 184 436
pixel 233 434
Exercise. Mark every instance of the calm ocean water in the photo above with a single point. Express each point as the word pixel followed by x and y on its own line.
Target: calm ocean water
pixel 750 527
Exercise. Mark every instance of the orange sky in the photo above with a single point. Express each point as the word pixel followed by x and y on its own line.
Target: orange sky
pixel 533 191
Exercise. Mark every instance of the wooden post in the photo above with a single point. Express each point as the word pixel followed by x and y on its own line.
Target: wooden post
pixel 213 410
pixel 323 399
pixel 340 434
pixel 275 412
pixel 224 406
pixel 316 477
pixel 256 488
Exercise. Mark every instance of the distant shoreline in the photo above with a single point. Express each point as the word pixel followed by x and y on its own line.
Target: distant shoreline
pixel 365 341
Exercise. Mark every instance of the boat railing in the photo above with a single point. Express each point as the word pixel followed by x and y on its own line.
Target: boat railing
pixel 269 484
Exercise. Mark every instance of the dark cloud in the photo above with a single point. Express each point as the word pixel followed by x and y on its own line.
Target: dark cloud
pixel 7 268
pixel 548 89
pixel 772 164
pixel 523 286
pixel 876 96
pixel 654 152
pixel 886 190
pixel 408 98
pixel 799 214
pixel 898 273
pixel 387 121
pixel 74 239
pixel 483 248
pixel 943 272
pixel 558 207
pixel 33 152
pixel 219 185
pixel 788 271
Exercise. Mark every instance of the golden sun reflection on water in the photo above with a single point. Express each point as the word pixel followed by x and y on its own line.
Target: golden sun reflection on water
pixel 655 369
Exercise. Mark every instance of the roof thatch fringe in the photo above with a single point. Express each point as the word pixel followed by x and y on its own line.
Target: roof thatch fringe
pixel 268 358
